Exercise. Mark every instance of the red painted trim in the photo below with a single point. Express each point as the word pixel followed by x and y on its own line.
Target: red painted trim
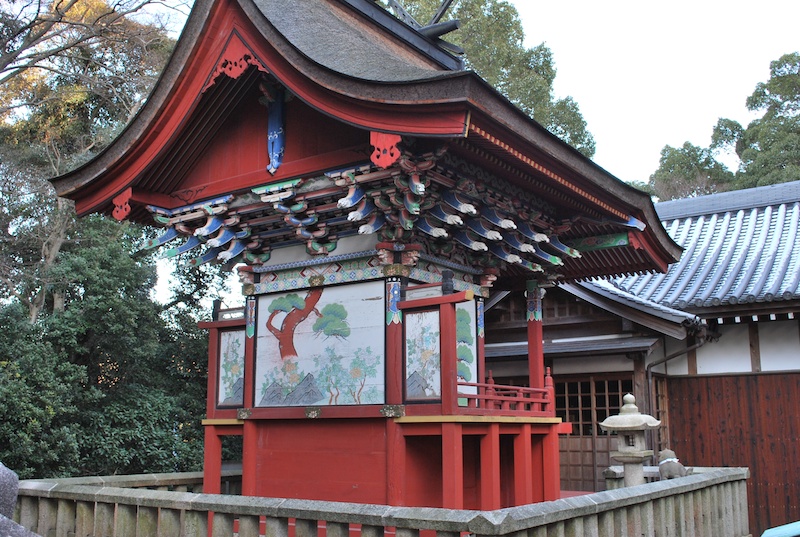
pixel 213 367
pixel 462 296
pixel 325 412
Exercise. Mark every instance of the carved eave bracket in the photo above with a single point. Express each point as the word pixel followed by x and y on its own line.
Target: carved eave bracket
pixel 234 60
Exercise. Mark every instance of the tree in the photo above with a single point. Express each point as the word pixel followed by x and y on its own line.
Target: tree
pixel 769 148
pixel 688 171
pixel 492 37
pixel 37 37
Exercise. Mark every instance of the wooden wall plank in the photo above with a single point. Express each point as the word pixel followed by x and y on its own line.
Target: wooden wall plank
pixel 743 420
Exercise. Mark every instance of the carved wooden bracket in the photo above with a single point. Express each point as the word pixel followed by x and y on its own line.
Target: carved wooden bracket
pixel 385 151
pixel 234 61
pixel 121 206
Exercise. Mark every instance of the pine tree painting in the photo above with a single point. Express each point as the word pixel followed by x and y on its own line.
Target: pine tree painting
pixel 318 344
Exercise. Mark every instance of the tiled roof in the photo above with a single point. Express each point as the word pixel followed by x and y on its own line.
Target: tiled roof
pixel 607 296
pixel 740 248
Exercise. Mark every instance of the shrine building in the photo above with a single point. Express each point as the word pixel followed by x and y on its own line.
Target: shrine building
pixel 373 195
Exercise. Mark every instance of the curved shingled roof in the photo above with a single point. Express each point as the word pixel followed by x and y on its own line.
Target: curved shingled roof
pixel 741 250
pixel 355 63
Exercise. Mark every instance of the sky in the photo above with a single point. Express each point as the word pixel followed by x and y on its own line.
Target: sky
pixel 650 74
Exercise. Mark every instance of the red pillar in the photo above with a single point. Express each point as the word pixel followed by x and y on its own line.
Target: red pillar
pixel 448 358
pixel 249 458
pixel 523 466
pixel 396 463
pixel 249 352
pixel 490 469
pixel 535 294
pixel 212 461
pixel 452 466
pixel 551 475
pixel 394 344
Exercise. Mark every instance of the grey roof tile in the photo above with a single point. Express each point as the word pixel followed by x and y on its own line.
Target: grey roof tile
pixel 740 247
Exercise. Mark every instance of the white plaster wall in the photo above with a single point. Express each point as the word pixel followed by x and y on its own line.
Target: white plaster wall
pixel 731 354
pixel 779 343
pixel 677 365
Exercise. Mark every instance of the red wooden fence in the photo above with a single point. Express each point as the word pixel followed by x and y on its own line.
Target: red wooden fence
pixel 744 420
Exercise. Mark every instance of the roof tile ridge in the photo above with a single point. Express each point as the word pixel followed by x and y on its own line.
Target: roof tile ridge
pixel 719 266
pixel 779 275
pixel 709 261
pixel 757 246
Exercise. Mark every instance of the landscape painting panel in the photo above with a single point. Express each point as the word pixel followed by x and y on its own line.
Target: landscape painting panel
pixel 423 358
pixel 321 346
pixel 231 368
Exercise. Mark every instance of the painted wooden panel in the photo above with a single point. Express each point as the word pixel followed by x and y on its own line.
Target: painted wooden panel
pixel 467 345
pixel 423 356
pixel 743 420
pixel 230 388
pixel 321 346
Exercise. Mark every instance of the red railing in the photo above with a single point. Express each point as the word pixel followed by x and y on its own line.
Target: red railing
pixel 494 399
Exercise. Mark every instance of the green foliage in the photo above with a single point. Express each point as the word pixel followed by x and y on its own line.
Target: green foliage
pixel 43 396
pixel 688 171
pixel 333 321
pixel 492 37
pixel 287 303
pixel 90 387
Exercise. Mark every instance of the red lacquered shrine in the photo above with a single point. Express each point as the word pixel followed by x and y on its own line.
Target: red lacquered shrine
pixel 372 195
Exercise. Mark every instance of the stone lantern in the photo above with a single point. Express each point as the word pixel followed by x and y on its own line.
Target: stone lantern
pixel 630 426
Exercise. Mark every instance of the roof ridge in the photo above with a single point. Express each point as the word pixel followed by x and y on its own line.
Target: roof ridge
pixel 735 200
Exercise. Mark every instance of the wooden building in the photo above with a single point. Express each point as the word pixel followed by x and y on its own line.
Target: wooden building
pixel 710 347
pixel 374 194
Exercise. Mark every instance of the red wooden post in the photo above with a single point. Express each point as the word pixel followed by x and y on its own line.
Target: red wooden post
pixel 394 344
pixel 523 466
pixel 213 368
pixel 551 470
pixel 490 468
pixel 250 433
pixel 448 357
pixel 550 406
pixel 212 461
pixel 249 353
pixel 452 466
pixel 396 463
pixel 481 346
pixel 535 340
pixel 538 469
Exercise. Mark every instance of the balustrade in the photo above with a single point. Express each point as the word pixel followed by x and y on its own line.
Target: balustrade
pixel 710 503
